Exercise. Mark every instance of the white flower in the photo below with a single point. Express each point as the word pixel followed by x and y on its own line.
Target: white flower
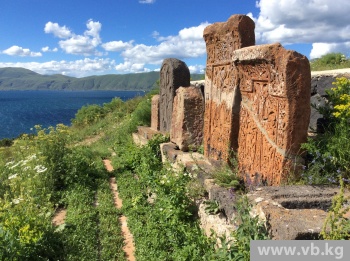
pixel 16 200
pixel 9 163
pixel 30 157
pixel 162 182
pixel 40 168
pixel 13 176
pixel 14 166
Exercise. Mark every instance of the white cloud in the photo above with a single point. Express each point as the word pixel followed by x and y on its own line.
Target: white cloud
pixel 304 21
pixel 19 51
pixel 85 44
pixel 56 30
pixel 129 67
pixel 319 49
pixel 188 43
pixel 117 46
pixel 198 68
pixel 147 1
pixel 47 49
pixel 77 68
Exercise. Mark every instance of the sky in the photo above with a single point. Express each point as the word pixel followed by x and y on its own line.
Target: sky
pixel 96 37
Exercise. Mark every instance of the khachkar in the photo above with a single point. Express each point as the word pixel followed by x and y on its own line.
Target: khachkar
pixel 173 74
pixel 221 95
pixel 275 110
pixel 187 120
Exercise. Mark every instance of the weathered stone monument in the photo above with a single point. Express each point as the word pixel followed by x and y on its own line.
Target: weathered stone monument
pixel 257 101
pixel 221 94
pixel 173 74
pixel 187 119
pixel 275 110
pixel 155 113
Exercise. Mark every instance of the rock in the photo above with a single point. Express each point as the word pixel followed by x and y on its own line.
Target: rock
pixel 187 118
pixel 173 74
pixel 222 99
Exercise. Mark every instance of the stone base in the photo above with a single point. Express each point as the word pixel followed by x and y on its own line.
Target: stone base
pixel 144 134
pixel 289 212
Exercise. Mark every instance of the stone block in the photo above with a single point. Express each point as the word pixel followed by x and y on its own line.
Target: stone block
pixel 173 74
pixel 155 113
pixel 221 118
pixel 293 212
pixel 274 113
pixel 187 118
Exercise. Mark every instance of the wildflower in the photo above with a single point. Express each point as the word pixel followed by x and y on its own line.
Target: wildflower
pixel 346 180
pixel 16 201
pixel 13 176
pixel 40 169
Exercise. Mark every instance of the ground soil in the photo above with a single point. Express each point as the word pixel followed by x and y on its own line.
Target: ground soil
pixel 129 247
pixel 59 217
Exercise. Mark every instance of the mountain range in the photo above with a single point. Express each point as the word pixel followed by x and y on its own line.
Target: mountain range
pixel 24 79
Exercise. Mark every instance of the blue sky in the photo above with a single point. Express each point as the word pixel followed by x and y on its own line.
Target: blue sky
pixel 82 38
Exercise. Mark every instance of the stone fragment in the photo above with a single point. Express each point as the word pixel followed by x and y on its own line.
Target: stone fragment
pixel 221 95
pixel 155 113
pixel 187 118
pixel 274 112
pixel 173 74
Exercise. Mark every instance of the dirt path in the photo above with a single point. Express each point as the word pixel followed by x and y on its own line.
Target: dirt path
pixel 59 217
pixel 129 247
pixel 90 140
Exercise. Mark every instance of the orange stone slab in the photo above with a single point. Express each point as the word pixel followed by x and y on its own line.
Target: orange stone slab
pixel 274 112
pixel 221 96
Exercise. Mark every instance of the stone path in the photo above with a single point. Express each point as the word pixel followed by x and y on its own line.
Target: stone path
pixel 129 247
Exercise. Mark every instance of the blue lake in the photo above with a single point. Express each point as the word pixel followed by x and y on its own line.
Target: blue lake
pixel 21 110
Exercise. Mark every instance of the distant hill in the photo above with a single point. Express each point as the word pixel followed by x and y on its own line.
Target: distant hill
pixel 23 79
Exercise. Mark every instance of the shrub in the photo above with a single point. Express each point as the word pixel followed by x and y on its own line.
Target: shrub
pixel 328 153
pixel 88 115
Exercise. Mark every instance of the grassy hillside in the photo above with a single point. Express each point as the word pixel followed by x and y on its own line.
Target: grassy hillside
pixel 23 79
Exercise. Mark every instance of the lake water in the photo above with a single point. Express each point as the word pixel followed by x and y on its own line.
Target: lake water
pixel 20 111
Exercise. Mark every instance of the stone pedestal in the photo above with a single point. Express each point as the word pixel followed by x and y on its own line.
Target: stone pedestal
pixel 187 118
pixel 173 74
pixel 155 113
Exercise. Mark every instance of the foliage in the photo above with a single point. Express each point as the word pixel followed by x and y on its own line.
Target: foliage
pixel 227 177
pixel 80 228
pixel 212 207
pixel 88 115
pixel 328 153
pixel 164 229
pixel 111 241
pixel 6 142
pixel 249 228
pixel 336 226
pixel 330 61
